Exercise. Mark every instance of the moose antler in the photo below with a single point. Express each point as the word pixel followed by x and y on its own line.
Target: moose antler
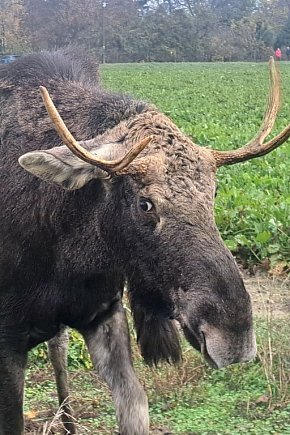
pixel 109 166
pixel 256 147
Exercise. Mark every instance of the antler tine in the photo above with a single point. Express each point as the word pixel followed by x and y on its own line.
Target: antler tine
pixel 256 147
pixel 109 166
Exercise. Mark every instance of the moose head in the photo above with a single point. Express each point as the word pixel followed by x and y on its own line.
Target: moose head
pixel 156 216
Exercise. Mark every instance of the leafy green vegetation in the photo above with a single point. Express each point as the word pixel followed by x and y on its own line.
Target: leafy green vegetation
pixel 221 106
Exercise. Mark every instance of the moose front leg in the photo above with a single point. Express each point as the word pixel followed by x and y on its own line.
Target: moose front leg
pixel 12 366
pixel 109 347
pixel 57 350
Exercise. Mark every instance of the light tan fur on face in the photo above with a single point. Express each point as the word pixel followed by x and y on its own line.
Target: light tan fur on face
pixel 172 171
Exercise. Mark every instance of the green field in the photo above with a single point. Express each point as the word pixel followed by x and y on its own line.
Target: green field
pixel 221 106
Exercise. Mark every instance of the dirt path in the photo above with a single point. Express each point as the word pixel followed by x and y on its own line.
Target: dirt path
pixel 269 294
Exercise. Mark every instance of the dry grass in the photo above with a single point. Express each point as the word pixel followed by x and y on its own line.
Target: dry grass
pixel 273 351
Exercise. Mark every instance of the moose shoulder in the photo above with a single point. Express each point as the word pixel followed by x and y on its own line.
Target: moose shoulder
pixel 133 200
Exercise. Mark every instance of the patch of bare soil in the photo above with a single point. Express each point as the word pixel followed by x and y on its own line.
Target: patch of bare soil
pixel 269 295
pixel 56 428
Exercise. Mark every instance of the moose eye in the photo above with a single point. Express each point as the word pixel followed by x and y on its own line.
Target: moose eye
pixel 146 205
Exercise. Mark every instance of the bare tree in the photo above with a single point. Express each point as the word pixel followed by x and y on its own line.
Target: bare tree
pixel 11 31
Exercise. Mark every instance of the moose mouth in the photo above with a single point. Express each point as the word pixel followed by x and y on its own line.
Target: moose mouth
pixel 198 341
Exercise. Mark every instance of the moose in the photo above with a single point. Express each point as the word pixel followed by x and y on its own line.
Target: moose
pixel 129 201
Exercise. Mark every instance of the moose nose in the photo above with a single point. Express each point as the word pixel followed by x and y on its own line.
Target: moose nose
pixel 222 348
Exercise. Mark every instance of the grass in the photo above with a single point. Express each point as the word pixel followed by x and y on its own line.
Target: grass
pixel 187 399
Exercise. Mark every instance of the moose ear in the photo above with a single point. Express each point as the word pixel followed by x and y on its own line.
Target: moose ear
pixel 60 166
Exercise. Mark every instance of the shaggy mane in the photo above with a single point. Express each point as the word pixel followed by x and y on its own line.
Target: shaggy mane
pixel 66 65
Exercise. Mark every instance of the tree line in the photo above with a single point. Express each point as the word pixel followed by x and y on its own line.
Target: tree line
pixel 154 30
